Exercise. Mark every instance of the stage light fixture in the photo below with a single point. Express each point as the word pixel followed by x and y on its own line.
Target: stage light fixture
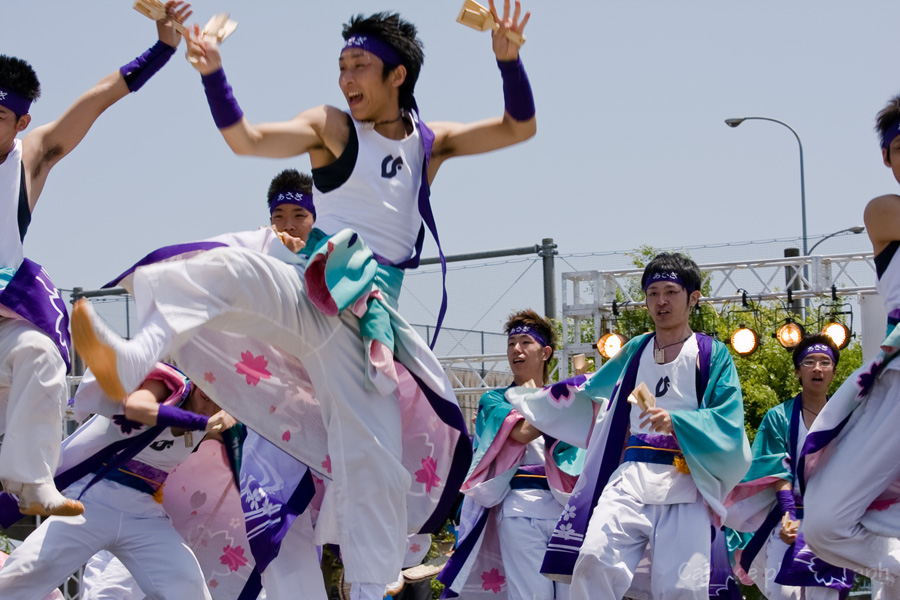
pixel 790 334
pixel 839 334
pixel 745 341
pixel 610 344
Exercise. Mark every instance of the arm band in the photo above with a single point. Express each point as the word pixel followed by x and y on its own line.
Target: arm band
pixel 172 416
pixel 222 105
pixel 517 94
pixel 786 503
pixel 141 69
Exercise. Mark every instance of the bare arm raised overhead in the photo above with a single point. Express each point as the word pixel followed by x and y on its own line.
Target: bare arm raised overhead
pixel 46 145
pixel 305 133
pixel 518 122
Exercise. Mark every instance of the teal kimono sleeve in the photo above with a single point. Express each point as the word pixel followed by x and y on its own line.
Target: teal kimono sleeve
pixel 493 408
pixel 602 384
pixel 712 438
pixel 770 448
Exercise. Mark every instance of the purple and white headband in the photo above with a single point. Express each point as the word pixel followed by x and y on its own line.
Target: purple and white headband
pixel 816 349
pixel 379 48
pixel 529 330
pixel 14 102
pixel 296 198
pixel 667 276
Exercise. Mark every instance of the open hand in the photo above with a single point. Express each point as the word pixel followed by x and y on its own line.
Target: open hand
pixel 177 11
pixel 203 51
pixel 504 49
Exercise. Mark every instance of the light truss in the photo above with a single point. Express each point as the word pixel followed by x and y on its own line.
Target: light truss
pixel 588 296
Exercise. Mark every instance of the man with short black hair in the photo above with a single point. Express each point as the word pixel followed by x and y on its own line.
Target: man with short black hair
pixel 34 337
pixel 685 448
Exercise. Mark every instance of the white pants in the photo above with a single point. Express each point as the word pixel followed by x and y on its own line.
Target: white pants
pixel 33 396
pixel 128 523
pixel 106 578
pixel 862 463
pixel 766 566
pixel 620 528
pixel 297 567
pixel 243 292
pixel 523 542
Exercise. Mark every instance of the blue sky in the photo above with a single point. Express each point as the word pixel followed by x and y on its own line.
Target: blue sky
pixel 631 146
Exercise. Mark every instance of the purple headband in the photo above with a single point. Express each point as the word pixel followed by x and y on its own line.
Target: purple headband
pixel 379 48
pixel 815 349
pixel 667 276
pixel 296 198
pixel 14 102
pixel 891 132
pixel 528 330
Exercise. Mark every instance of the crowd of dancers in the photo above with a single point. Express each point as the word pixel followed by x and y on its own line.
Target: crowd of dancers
pixel 323 419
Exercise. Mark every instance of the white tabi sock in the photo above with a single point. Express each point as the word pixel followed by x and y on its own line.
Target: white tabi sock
pixel 136 357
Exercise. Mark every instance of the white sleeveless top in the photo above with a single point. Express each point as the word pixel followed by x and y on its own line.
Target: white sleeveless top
pixel 674 385
pixel 380 199
pixel 167 450
pixel 888 283
pixel 11 252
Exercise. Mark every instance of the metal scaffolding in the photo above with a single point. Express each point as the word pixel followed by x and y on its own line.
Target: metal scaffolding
pixel 588 297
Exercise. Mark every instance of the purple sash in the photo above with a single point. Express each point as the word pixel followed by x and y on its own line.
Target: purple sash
pixel 32 296
pixel 428 218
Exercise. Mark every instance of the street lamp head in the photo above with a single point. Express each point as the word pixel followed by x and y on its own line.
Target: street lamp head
pixel 733 122
pixel 857 229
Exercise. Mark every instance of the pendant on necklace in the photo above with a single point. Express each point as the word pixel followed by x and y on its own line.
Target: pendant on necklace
pixel 188 439
pixel 659 356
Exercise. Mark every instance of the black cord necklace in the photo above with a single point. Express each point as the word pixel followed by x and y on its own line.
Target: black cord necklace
pixel 659 353
pixel 374 124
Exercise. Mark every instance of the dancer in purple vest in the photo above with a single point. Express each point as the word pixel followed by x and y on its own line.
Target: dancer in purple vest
pixel 372 167
pixel 34 338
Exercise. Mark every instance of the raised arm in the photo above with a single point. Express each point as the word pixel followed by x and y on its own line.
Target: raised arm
pixel 518 121
pixel 46 145
pixel 307 132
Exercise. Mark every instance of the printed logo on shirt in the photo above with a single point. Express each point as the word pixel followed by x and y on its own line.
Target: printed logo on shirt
pixel 160 445
pixel 393 163
pixel 662 386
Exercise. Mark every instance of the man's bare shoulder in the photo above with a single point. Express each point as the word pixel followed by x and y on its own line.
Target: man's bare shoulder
pixel 880 206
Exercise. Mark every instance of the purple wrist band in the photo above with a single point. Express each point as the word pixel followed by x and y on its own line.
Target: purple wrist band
pixel 141 69
pixel 172 416
pixel 224 108
pixel 786 503
pixel 517 94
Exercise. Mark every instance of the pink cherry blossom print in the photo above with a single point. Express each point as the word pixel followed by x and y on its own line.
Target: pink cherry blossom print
pixel 233 557
pixel 428 474
pixel 253 368
pixel 492 581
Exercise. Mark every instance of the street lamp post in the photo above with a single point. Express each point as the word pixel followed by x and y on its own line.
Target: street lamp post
pixel 736 122
pixel 854 229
